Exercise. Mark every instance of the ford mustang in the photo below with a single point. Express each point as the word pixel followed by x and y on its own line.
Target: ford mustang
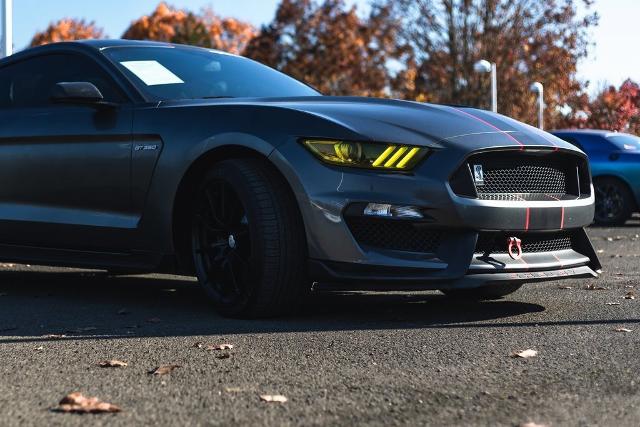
pixel 137 157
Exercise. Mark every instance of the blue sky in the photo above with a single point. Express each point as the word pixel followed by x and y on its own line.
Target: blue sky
pixel 613 60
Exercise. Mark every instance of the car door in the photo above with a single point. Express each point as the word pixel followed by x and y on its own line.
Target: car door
pixel 65 170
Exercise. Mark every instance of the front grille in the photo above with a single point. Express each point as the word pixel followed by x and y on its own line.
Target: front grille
pixel 496 243
pixel 394 234
pixel 523 176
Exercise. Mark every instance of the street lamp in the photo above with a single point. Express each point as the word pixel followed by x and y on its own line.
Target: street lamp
pixel 538 89
pixel 6 10
pixel 484 66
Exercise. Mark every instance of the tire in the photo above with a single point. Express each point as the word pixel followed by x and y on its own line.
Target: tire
pixel 248 240
pixel 484 293
pixel 614 202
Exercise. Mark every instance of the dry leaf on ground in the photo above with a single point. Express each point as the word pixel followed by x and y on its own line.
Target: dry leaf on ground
pixel 622 330
pixel 78 403
pixel 273 398
pixel 613 303
pixel 565 287
pixel 164 369
pixel 595 288
pixel 220 347
pixel 525 354
pixel 41 348
pixel 630 295
pixel 113 364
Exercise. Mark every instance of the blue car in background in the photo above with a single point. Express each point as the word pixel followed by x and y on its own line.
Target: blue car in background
pixel 615 165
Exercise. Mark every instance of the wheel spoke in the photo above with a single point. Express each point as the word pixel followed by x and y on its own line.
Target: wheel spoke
pixel 222 242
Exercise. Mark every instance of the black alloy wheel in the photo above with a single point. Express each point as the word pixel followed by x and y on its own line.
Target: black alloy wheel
pixel 613 202
pixel 248 240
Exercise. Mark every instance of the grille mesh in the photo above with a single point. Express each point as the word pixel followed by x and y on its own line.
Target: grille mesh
pixel 496 243
pixel 394 234
pixel 523 178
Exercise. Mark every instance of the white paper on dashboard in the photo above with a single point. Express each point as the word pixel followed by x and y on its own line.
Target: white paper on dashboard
pixel 152 73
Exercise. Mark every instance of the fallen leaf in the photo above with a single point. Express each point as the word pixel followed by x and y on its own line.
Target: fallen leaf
pixel 220 347
pixel 78 403
pixel 622 330
pixel 164 369
pixel 525 354
pixel 113 364
pixel 630 295
pixel 595 288
pixel 613 303
pixel 154 320
pixel 273 398
pixel 54 336
pixel 565 287
pixel 41 348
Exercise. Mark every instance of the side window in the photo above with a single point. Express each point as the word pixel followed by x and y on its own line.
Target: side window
pixel 29 83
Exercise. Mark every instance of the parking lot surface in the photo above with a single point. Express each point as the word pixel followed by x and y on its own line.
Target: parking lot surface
pixel 347 359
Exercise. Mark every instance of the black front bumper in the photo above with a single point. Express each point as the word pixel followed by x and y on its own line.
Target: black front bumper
pixel 482 268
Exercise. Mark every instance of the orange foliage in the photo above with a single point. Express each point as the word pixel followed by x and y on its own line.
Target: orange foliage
pixel 178 26
pixel 67 29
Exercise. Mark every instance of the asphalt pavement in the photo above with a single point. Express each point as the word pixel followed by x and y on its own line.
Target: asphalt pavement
pixel 348 359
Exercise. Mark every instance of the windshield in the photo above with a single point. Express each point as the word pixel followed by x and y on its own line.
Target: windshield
pixel 625 141
pixel 167 73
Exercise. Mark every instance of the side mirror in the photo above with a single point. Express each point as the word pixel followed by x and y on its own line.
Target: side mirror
pixel 81 93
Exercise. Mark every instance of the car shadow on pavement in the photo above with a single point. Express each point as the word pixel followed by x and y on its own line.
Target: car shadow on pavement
pixel 39 306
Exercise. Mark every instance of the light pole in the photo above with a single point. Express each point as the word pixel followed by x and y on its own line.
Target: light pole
pixel 538 89
pixel 6 11
pixel 484 66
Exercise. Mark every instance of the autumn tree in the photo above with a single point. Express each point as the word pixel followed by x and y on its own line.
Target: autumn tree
pixel 616 109
pixel 67 29
pixel 178 26
pixel 329 46
pixel 529 40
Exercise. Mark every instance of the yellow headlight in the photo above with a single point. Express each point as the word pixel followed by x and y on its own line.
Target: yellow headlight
pixel 367 154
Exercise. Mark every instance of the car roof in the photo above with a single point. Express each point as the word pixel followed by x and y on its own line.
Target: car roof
pixel 92 44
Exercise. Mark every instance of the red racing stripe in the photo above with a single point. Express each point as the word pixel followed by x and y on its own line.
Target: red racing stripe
pixel 491 126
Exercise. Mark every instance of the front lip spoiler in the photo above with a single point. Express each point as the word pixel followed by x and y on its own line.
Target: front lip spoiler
pixel 348 277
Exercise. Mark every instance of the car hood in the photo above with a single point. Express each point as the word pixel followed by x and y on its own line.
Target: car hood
pixel 387 120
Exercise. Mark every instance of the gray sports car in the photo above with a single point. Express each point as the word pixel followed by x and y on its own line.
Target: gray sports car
pixel 148 157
